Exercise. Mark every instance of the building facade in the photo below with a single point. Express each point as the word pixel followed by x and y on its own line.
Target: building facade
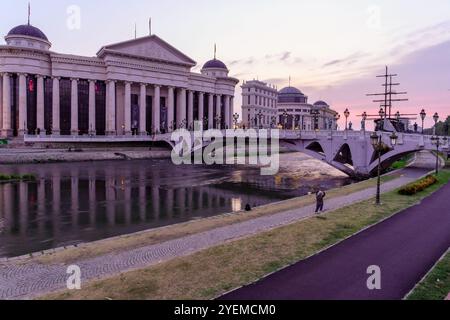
pixel 259 104
pixel 263 106
pixel 142 86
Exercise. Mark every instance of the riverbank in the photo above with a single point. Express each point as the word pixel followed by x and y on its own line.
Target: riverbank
pixel 29 156
pixel 216 270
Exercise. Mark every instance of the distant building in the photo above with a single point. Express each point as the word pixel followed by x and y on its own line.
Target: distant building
pixel 259 104
pixel 265 107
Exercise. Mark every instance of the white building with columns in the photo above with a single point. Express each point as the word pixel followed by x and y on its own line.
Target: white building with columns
pixel 142 86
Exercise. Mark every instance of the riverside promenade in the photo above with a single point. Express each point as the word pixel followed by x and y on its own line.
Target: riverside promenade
pixel 25 279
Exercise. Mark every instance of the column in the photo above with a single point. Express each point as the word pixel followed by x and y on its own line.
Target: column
pixel 74 108
pixel 171 109
pixel 143 110
pixel 92 119
pixel 22 104
pixel 227 113
pixel 111 109
pixel 40 125
pixel 6 97
pixel 157 109
pixel 181 108
pixel 1 106
pixel 231 111
pixel 211 111
pixel 218 111
pixel 127 111
pixel 201 107
pixel 190 110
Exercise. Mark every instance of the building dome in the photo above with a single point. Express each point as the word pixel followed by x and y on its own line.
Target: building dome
pixel 321 103
pixel 215 64
pixel 28 31
pixel 291 95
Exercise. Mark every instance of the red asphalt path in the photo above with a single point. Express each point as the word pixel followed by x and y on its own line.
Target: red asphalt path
pixel 405 247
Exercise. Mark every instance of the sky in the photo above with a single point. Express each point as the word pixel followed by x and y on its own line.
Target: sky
pixel 332 50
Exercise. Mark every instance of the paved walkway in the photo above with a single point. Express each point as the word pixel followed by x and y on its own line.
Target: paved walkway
pixel 31 279
pixel 405 247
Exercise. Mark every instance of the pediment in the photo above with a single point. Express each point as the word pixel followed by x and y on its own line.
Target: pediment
pixel 150 47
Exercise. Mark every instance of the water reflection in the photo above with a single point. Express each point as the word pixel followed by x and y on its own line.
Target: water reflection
pixel 73 203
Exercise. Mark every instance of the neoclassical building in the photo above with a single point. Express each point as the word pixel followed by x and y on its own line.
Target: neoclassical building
pixel 142 86
pixel 264 106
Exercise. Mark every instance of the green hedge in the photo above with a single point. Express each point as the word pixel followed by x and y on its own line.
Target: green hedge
pixel 418 186
pixel 16 177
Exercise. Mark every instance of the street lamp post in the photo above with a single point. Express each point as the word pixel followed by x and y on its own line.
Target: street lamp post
pixel 423 115
pixel 381 113
pixel 346 114
pixel 435 140
pixel 378 145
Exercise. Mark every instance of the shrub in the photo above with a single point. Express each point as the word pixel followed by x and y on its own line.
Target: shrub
pixel 28 177
pixel 418 186
pixel 15 177
pixel 4 177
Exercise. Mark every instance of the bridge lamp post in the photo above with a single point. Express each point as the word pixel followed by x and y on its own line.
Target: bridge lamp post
pixel 423 115
pixel 235 119
pixel 381 113
pixel 346 114
pixel 436 119
pixel 378 145
pixel 316 114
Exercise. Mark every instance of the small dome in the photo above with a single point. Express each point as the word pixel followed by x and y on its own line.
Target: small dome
pixel 321 103
pixel 215 64
pixel 29 31
pixel 290 90
pixel 291 95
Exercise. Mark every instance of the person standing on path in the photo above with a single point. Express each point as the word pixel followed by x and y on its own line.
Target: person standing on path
pixel 320 195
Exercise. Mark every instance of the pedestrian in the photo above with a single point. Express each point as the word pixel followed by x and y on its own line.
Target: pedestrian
pixel 320 195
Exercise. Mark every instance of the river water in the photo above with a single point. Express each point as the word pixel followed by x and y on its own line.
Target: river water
pixel 71 203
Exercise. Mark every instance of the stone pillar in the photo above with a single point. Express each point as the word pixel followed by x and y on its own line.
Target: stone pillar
pixel 201 107
pixel 171 109
pixel 227 113
pixel 157 110
pixel 127 111
pixel 218 111
pixel 1 108
pixel 190 110
pixel 143 110
pixel 22 104
pixel 211 111
pixel 92 119
pixel 74 108
pixel 181 108
pixel 111 109
pixel 40 124
pixel 6 98
pixel 56 129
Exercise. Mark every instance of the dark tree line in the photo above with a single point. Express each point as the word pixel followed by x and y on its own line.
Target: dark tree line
pixel 442 128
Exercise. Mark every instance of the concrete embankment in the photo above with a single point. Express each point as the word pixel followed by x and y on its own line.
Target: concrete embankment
pixel 24 156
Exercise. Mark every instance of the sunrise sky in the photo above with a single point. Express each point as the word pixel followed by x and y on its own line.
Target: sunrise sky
pixel 332 49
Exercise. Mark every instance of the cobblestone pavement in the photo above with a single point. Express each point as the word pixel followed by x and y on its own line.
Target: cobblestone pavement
pixel 25 280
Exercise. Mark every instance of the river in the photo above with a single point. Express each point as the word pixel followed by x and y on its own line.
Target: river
pixel 71 203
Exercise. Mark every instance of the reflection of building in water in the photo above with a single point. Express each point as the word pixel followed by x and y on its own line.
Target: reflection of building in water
pixel 66 206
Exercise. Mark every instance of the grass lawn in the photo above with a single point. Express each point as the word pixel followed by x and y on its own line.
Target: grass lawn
pixel 212 272
pixel 184 229
pixel 436 286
